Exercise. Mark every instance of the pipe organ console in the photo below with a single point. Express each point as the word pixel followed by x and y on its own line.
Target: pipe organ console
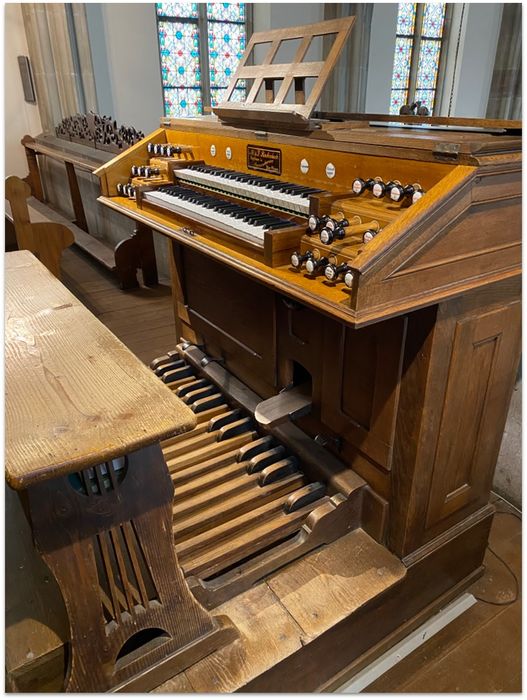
pixel 347 308
pixel 347 303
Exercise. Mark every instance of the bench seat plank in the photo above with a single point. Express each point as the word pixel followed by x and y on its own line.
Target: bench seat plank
pixel 75 395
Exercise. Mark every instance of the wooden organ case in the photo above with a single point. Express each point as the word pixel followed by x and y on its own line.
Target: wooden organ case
pixel 347 299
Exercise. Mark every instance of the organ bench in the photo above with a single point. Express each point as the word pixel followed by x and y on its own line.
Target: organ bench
pixel 83 422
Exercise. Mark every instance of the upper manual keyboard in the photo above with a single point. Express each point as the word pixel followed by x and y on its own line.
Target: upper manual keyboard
pixel 265 190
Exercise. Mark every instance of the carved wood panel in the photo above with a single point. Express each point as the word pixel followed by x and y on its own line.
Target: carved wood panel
pixel 235 317
pixel 481 371
pixel 360 393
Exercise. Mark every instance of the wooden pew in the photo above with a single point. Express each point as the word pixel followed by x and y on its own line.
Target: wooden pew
pixel 45 239
pixel 130 254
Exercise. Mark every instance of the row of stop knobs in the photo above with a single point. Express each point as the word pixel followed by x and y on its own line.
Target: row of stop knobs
pixel 330 230
pixel 318 265
pixel 394 189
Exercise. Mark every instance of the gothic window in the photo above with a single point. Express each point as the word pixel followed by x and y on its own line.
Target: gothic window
pixel 200 45
pixel 418 48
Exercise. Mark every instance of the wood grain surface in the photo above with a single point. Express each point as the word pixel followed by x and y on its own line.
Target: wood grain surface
pixel 75 395
pixel 280 617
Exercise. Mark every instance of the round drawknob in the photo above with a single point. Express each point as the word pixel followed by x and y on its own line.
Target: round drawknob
pixel 417 193
pixel 313 265
pixel 359 185
pixel 397 192
pixel 120 188
pixel 316 222
pixel 379 188
pixel 369 235
pixel 333 272
pixel 297 259
pixel 348 278
pixel 173 150
pixel 328 235
pixel 150 147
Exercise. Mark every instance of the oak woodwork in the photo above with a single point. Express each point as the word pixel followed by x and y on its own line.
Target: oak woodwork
pixel 322 537
pixel 134 252
pixel 46 240
pixel 96 488
pixel 290 75
pixel 107 402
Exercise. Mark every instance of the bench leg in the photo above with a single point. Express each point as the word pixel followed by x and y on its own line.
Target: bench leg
pixel 133 253
pixel 106 534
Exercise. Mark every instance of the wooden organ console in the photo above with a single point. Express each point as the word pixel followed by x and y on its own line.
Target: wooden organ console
pixel 347 303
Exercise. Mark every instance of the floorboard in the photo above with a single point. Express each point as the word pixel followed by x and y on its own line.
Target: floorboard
pixel 142 318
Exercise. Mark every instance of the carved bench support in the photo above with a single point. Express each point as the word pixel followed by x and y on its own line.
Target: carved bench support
pixel 106 534
pixel 134 253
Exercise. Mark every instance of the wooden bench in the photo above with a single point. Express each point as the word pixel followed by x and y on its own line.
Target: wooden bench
pixel 40 213
pixel 130 254
pixel 84 418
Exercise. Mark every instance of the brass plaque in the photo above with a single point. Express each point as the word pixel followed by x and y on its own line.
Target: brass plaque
pixel 267 160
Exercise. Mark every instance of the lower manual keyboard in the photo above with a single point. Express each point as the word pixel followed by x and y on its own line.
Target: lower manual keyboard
pixel 241 499
pixel 233 219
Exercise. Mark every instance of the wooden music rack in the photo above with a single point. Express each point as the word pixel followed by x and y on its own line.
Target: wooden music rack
pixel 275 110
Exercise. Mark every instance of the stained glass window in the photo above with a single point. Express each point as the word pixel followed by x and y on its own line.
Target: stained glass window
pixel 185 27
pixel 226 11
pixel 433 20
pixel 406 18
pixel 417 55
pixel 179 49
pixel 181 10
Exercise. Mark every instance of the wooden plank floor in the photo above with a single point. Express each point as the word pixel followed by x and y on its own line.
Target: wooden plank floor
pixel 143 318
pixel 478 652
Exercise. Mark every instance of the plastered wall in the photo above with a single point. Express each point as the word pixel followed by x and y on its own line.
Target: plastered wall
pixel 20 117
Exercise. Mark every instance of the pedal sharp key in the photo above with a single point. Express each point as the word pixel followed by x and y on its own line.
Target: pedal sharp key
pixel 304 496
pixel 237 428
pixel 174 375
pixel 254 448
pixel 208 402
pixel 191 386
pixel 171 355
pixel 225 419
pixel 264 459
pixel 277 471
pixel 169 365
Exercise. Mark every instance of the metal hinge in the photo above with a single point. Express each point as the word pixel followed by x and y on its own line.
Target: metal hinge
pixel 450 150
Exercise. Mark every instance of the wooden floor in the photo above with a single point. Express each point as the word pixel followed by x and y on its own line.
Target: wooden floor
pixel 142 318
pixel 478 652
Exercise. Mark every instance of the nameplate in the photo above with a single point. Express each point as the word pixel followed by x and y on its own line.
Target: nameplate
pixel 267 160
